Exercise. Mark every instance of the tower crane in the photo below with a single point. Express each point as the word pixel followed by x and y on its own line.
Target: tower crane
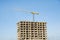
pixel 33 13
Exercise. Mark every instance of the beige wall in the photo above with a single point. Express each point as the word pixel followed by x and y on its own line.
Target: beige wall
pixel 33 29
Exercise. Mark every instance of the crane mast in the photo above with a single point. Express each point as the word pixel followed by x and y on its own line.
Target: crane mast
pixel 33 13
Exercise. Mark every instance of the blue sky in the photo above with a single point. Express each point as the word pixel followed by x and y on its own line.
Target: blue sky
pixel 49 11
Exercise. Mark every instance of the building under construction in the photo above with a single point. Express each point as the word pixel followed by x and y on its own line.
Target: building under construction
pixel 27 30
